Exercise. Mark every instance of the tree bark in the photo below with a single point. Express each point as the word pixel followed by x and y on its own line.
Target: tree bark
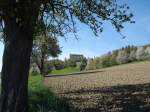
pixel 15 70
pixel 19 18
pixel 42 64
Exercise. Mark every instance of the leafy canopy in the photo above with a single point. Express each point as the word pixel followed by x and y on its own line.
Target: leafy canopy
pixel 59 17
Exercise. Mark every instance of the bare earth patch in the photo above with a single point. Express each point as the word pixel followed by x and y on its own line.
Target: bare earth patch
pixel 124 88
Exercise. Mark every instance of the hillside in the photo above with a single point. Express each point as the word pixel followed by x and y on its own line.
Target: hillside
pixel 111 88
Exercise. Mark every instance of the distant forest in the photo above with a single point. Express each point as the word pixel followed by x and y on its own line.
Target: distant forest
pixel 121 56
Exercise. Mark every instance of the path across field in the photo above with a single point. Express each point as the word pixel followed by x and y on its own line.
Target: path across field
pixel 124 88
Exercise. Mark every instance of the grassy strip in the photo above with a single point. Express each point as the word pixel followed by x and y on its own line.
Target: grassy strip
pixel 41 99
pixel 75 73
pixel 65 71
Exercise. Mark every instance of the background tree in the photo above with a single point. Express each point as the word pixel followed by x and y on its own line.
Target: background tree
pixel 113 58
pixel 18 20
pixel 91 64
pixel 140 53
pixel 71 63
pixel 132 55
pixel 147 52
pixel 106 60
pixel 44 48
pixel 57 64
pixel 83 64
pixel 122 57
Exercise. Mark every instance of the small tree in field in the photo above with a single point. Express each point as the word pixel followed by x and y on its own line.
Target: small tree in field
pixel 19 19
pixel 43 49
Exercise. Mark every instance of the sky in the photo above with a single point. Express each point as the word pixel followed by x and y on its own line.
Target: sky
pixel 90 46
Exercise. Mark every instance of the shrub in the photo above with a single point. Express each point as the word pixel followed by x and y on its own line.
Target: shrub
pixel 57 64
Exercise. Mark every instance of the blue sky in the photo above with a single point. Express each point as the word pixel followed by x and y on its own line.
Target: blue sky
pixel 90 46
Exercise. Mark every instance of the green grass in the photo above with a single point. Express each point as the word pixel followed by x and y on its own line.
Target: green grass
pixel 42 99
pixel 66 70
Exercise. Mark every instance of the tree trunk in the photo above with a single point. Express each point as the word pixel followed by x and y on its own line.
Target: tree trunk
pixel 15 70
pixel 19 18
pixel 42 65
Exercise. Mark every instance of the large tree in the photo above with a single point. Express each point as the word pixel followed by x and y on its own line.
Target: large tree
pixel 18 21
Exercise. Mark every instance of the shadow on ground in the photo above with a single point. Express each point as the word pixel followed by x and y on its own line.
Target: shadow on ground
pixel 127 98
